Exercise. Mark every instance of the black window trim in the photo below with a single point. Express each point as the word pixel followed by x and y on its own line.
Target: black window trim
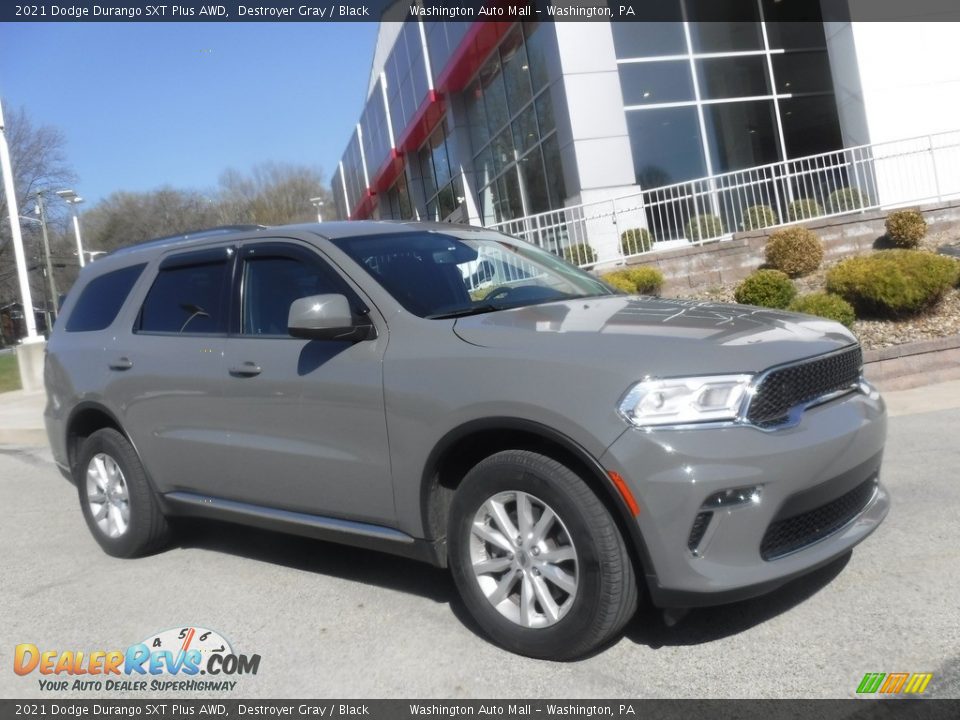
pixel 226 253
pixel 295 250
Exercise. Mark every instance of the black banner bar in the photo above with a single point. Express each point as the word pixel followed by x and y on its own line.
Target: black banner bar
pixel 459 10
pixel 107 709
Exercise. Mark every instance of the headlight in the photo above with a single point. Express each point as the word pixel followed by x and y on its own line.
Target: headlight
pixel 678 401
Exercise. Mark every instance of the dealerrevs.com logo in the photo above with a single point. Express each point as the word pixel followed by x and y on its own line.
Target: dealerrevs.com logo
pixel 169 661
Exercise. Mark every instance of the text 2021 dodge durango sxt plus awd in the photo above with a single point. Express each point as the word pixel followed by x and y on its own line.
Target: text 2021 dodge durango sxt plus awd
pixel 454 395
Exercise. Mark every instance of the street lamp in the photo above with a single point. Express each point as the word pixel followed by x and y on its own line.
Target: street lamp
pixel 318 204
pixel 51 281
pixel 73 199
pixel 6 170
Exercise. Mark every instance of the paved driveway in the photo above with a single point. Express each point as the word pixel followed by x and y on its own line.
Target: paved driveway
pixel 339 622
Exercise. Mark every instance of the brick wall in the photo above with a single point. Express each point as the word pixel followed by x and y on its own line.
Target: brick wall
pixel 718 263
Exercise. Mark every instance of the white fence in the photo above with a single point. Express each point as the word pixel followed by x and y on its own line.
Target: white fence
pixel 882 175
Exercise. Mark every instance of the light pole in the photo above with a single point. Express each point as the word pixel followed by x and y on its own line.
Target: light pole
pixel 6 169
pixel 51 282
pixel 318 204
pixel 73 199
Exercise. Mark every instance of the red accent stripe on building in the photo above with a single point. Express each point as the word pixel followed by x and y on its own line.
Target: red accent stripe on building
pixel 366 205
pixel 474 49
pixel 427 117
pixel 388 172
pixel 476 46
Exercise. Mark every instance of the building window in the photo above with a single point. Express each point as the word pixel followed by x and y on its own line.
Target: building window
pixel 704 95
pixel 397 204
pixel 441 188
pixel 512 130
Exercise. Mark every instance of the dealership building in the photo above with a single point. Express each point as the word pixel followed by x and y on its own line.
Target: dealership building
pixel 577 135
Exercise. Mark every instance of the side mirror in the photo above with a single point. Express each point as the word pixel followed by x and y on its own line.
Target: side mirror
pixel 326 317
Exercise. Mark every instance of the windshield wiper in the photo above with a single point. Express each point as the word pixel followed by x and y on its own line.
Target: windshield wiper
pixel 464 312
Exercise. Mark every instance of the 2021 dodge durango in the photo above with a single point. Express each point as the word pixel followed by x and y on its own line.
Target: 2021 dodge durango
pixel 454 395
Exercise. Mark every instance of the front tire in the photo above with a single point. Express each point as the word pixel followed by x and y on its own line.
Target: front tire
pixel 119 505
pixel 537 557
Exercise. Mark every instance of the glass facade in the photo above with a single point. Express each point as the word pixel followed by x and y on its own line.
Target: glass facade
pixel 406 75
pixel 705 96
pixel 512 131
pixel 441 185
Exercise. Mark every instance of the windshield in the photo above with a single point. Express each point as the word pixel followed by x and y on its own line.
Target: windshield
pixel 463 272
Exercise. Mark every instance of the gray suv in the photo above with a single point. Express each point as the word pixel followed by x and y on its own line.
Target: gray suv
pixel 560 446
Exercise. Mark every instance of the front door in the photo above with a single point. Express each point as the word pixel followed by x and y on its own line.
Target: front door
pixel 305 417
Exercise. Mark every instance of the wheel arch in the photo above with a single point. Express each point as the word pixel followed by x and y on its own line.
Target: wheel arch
pixel 85 419
pixel 465 446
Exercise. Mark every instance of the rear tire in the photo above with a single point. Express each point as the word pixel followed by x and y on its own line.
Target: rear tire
pixel 564 584
pixel 119 505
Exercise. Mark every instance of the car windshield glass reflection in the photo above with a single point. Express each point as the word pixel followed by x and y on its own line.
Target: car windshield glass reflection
pixel 452 274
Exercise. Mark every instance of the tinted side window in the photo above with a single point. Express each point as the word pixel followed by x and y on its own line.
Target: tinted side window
pixel 188 299
pixel 102 298
pixel 271 284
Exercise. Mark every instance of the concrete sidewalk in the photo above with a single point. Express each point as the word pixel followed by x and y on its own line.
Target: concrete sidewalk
pixel 21 412
pixel 21 418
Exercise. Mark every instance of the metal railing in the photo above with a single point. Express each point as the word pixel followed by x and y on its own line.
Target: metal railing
pixel 881 175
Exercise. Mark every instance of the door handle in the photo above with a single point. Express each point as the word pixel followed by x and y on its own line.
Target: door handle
pixel 247 369
pixel 122 363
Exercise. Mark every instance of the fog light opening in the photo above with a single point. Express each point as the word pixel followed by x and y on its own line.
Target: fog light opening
pixel 734 497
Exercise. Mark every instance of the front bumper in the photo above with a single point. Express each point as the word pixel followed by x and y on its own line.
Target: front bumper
pixel 835 449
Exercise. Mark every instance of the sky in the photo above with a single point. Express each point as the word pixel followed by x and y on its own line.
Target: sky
pixel 146 105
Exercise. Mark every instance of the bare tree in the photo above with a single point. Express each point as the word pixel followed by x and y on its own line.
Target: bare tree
pixel 39 160
pixel 273 194
pixel 124 218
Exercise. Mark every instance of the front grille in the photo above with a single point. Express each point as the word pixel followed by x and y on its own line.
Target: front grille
pixel 799 384
pixel 793 533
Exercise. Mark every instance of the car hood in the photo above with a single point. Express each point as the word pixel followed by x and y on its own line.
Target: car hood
pixel 663 337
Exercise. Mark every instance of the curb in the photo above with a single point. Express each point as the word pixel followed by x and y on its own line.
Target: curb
pixel 912 364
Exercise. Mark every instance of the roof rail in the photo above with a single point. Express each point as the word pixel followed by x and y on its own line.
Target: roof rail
pixel 192 235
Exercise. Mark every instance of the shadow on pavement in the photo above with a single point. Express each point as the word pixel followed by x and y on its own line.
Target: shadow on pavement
pixel 369 567
pixel 316 556
pixel 705 625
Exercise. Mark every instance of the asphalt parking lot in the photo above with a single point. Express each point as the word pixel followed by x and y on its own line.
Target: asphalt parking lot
pixel 330 621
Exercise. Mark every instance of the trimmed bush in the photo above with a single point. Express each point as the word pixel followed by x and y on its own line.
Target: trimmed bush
pixel 704 227
pixel 845 200
pixel 580 254
pixel 795 251
pixel 635 241
pixel 759 216
pixel 906 228
pixel 893 283
pixel 825 305
pixel 804 209
pixel 620 281
pixel 638 280
pixel 766 288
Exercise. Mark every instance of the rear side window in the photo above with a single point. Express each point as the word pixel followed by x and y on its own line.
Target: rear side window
pixel 187 299
pixel 101 300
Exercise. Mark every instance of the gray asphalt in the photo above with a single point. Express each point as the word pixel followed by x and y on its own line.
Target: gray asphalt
pixel 330 621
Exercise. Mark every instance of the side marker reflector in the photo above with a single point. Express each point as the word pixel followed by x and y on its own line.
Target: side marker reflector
pixel 625 493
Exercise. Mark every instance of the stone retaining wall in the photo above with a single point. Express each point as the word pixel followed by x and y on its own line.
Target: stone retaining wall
pixel 721 262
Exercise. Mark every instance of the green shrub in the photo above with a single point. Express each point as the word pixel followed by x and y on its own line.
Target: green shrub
pixel 804 209
pixel 845 200
pixel 759 216
pixel 893 283
pixel 766 288
pixel 704 227
pixel 580 254
pixel 824 305
pixel 637 280
pixel 794 250
pixel 906 228
pixel 620 281
pixel 635 241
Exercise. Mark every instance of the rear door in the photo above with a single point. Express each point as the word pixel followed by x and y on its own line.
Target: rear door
pixel 305 417
pixel 166 369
